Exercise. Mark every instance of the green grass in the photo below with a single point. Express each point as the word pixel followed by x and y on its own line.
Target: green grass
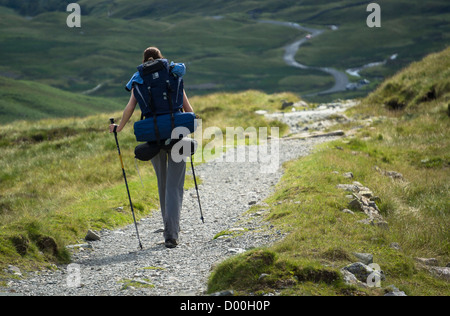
pixel 238 110
pixel 232 53
pixel 410 29
pixel 76 59
pixel 50 168
pixel 27 100
pixel 61 177
pixel 424 81
pixel 321 238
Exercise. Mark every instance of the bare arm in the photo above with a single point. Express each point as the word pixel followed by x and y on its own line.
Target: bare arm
pixel 127 113
pixel 187 107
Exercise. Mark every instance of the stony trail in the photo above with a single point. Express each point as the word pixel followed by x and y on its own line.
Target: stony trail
pixel 228 191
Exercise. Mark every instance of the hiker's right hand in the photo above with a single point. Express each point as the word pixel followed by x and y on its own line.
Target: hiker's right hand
pixel 112 126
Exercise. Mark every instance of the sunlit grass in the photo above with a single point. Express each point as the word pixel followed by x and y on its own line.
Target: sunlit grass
pixel 60 177
pixel 308 206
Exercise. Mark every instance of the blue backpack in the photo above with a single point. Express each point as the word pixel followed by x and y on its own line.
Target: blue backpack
pixel 161 92
pixel 160 98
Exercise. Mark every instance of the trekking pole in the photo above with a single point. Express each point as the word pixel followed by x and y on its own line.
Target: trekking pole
pixel 126 182
pixel 196 188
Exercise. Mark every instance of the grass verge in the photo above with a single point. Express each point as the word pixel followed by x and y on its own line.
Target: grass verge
pixel 413 142
pixel 61 177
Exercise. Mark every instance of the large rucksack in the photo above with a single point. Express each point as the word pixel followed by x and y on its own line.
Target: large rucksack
pixel 160 98
pixel 161 92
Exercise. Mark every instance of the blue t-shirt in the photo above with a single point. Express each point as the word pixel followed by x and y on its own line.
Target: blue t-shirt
pixel 179 69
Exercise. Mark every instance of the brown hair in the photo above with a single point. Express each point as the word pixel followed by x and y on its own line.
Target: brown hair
pixel 152 53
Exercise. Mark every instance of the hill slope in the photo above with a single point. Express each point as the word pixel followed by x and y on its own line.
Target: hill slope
pixel 424 81
pixel 27 100
pixel 224 46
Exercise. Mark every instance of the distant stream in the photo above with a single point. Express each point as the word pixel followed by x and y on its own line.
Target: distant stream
pixel 340 78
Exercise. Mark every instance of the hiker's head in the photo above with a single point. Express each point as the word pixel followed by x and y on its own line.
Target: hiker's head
pixel 152 53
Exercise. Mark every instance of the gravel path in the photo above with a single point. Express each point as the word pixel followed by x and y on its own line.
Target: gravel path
pixel 227 191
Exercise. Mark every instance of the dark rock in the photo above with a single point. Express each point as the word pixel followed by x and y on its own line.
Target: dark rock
pixel 356 205
pixel 92 236
pixel 395 292
pixel 47 245
pixel 365 258
pixel 286 105
pixel 395 246
pixel 348 175
pixel 428 261
pixel 440 272
pixel 394 175
pixel 14 270
pixel 362 271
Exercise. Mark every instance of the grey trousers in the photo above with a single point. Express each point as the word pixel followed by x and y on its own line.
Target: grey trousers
pixel 171 177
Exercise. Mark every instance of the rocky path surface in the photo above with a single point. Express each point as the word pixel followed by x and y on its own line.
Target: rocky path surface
pixel 115 266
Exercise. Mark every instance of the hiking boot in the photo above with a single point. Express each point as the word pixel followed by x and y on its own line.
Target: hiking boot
pixel 171 243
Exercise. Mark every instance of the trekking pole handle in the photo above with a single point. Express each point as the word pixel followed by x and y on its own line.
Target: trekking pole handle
pixel 112 122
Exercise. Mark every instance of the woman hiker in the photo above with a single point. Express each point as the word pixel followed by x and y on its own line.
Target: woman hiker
pixel 170 174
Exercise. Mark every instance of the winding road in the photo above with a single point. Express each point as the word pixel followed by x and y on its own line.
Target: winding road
pixel 340 78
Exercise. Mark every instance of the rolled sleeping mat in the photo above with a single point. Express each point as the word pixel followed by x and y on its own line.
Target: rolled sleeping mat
pixel 185 124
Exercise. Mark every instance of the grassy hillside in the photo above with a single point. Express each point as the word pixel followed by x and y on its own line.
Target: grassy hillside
pixel 107 51
pixel 411 29
pixel 412 141
pixel 27 100
pixel 425 81
pixel 224 46
pixel 61 177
